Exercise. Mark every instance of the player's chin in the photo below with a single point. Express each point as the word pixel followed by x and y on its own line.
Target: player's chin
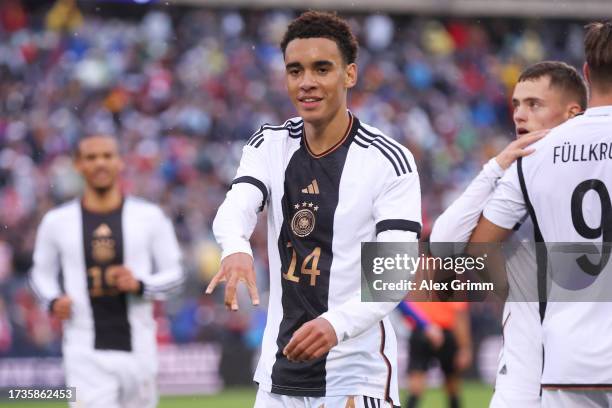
pixel 312 115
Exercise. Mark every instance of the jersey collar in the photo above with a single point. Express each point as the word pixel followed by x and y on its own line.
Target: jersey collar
pixel 351 131
pixel 599 111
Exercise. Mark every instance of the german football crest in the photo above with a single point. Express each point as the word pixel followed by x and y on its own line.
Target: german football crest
pixel 103 245
pixel 303 222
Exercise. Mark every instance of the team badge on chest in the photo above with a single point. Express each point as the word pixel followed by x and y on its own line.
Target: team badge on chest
pixel 303 222
pixel 103 245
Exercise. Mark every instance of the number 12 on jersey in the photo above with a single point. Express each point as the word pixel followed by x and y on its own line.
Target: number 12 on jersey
pixel 312 270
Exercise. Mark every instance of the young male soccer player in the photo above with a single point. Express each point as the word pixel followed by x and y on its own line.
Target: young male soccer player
pixel 106 245
pixel 560 192
pixel 330 182
pixel 546 95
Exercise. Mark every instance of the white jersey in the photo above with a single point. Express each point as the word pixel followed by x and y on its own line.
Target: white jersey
pixel 520 360
pixel 82 245
pixel 565 187
pixel 320 209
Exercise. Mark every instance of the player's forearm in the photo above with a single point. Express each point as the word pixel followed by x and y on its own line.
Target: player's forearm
pixel 163 284
pixel 45 287
pixel 355 317
pixel 236 219
pixel 45 270
pixel 462 330
pixel 459 220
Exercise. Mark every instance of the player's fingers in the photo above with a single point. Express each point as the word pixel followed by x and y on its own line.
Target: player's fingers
pixel 230 291
pixel 215 281
pixel 320 351
pixel 309 351
pixel 524 152
pixel 299 335
pixel 531 138
pixel 252 287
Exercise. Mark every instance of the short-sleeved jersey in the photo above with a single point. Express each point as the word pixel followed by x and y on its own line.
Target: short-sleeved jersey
pixel 564 186
pixel 320 208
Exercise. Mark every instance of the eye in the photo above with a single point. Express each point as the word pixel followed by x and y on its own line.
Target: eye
pixel 322 70
pixel 293 71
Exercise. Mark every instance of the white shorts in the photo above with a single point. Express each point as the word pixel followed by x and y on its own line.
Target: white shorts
pixel 519 369
pixel 506 397
pixel 571 399
pixel 268 400
pixel 110 379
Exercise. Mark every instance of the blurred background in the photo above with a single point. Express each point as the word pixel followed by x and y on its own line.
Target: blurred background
pixel 184 84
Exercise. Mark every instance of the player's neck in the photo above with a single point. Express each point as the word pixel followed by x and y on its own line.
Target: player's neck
pixel 323 136
pixel 598 99
pixel 102 201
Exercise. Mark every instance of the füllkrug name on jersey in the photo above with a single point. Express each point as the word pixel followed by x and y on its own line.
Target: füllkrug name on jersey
pixel 570 152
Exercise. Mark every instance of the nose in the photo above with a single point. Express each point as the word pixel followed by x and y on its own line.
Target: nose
pixel 520 115
pixel 308 81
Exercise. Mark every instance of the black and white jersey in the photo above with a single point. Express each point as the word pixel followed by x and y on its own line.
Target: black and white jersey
pixel 83 245
pixel 320 208
pixel 565 187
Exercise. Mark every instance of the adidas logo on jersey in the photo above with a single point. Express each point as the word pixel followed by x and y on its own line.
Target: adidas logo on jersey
pixel 312 188
pixel 503 370
pixel 103 231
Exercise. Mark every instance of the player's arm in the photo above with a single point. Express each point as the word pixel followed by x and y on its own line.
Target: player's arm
pixel 504 210
pixel 45 271
pixel 166 252
pixel 397 213
pixel 458 221
pixel 463 335
pixel 235 222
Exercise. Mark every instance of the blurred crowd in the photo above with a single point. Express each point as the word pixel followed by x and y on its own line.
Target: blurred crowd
pixel 183 88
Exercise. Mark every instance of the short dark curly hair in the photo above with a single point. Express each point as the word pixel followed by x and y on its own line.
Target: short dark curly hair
pixel 316 24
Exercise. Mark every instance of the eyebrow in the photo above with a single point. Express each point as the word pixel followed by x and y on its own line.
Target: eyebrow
pixel 316 64
pixel 516 101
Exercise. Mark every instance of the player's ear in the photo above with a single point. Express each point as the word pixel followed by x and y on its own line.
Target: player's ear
pixel 350 76
pixel 586 73
pixel 573 110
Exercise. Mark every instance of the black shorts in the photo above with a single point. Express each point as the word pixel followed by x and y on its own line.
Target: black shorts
pixel 421 353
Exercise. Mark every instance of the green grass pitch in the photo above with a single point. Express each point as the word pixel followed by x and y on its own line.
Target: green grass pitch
pixel 475 395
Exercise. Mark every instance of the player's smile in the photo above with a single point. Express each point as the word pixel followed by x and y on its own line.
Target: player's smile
pixel 310 102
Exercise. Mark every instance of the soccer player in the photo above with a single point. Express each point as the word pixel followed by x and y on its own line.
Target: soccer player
pixel 546 95
pixel 117 253
pixel 330 182
pixel 564 188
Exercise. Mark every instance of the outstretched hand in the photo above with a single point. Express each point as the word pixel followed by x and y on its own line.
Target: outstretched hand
pixel 235 268
pixel 518 148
